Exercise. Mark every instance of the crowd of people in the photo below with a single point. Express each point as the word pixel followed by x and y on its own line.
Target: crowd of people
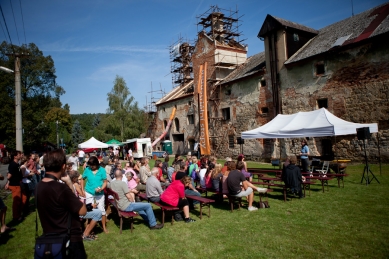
pixel 64 191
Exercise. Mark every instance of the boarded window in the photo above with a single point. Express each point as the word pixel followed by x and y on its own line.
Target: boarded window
pixel 226 114
pixel 231 141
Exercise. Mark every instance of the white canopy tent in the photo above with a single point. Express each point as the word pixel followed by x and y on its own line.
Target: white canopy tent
pixel 318 123
pixel 93 143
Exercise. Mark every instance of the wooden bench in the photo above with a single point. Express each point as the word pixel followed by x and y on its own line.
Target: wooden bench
pixel 122 214
pixel 284 188
pixel 203 202
pixel 163 207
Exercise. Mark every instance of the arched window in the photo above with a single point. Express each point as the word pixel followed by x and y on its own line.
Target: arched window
pixel 177 124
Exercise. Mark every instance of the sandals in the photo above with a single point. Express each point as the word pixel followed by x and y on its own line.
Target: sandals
pixel 88 238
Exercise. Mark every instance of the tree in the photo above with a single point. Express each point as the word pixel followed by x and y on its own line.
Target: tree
pixel 77 135
pixel 120 104
pixel 66 107
pixel 39 93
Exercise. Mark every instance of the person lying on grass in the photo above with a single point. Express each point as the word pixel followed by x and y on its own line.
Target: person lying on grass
pixel 234 180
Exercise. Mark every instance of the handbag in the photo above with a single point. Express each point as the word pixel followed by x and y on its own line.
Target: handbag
pixel 51 245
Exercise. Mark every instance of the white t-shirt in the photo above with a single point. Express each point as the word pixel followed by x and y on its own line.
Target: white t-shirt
pixel 81 153
pixel 74 160
pixel 202 178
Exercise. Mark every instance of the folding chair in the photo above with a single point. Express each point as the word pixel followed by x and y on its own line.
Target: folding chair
pixel 324 170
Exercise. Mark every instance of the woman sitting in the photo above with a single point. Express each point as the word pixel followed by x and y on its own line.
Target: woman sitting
pixel 244 170
pixel 174 195
pixel 215 176
pixel 207 176
pixel 292 177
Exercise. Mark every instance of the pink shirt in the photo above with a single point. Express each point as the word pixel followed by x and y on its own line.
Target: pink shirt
pixel 173 193
pixel 132 184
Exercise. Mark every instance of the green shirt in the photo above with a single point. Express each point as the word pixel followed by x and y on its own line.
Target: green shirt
pixel 94 180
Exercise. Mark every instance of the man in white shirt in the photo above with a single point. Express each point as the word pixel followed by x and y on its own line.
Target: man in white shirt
pixel 74 160
pixel 81 155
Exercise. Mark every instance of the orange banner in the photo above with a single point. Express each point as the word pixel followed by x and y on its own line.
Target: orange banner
pixel 203 116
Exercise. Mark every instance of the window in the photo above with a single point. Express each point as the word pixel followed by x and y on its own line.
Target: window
pixel 263 82
pixel 164 124
pixel 231 142
pixel 190 103
pixel 177 124
pixel 264 110
pixel 175 106
pixel 190 119
pixel 163 109
pixel 228 92
pixel 320 69
pixel 226 114
pixel 296 37
pixel 322 103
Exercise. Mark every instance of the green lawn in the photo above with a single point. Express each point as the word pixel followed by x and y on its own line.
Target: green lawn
pixel 342 223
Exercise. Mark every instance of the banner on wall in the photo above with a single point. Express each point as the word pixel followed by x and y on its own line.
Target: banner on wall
pixel 203 112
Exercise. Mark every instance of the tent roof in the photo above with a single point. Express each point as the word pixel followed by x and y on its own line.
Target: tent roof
pixel 113 141
pixel 318 123
pixel 92 143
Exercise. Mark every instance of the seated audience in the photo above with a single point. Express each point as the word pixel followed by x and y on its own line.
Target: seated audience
pixel 215 176
pixel 244 169
pixel 292 177
pixel 234 181
pixel 153 186
pixel 94 214
pixel 175 196
pixel 126 202
pixel 190 189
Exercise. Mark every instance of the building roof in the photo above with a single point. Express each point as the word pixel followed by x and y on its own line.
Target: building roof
pixel 252 65
pixel 362 26
pixel 177 93
pixel 272 23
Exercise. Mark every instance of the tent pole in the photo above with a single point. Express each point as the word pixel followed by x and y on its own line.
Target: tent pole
pixel 279 164
pixel 336 157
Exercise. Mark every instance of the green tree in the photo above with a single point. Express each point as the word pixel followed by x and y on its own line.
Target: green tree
pixel 66 107
pixel 120 103
pixel 39 93
pixel 77 135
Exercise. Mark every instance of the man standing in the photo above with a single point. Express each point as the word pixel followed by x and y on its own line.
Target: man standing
pixel 144 170
pixel 234 180
pixel 153 186
pixel 126 202
pixel 74 160
pixel 81 155
pixel 14 179
pixel 56 201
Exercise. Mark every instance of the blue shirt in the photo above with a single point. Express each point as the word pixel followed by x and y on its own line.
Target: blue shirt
pixel 94 180
pixel 304 150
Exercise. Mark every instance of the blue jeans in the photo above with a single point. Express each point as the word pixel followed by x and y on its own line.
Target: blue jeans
pixel 145 211
pixel 193 193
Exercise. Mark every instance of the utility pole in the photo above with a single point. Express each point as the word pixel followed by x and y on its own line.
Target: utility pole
pixel 18 101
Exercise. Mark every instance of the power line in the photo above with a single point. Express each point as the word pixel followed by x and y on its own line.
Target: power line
pixel 25 41
pixel 5 35
pixel 16 27
pixel 1 9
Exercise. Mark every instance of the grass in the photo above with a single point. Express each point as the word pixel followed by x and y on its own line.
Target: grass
pixel 349 222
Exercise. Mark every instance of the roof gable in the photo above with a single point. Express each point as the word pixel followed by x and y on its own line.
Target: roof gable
pixel 273 23
pixel 354 29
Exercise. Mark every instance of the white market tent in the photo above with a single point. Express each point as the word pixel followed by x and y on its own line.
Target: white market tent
pixel 318 123
pixel 93 143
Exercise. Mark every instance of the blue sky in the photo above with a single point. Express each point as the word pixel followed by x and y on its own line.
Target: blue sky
pixel 92 41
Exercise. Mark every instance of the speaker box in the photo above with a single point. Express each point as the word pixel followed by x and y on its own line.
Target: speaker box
pixel 363 133
pixel 239 140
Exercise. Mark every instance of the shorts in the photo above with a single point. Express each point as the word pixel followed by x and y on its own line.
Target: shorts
pixel 95 215
pixel 100 200
pixel 81 160
pixel 244 193
pixel 2 205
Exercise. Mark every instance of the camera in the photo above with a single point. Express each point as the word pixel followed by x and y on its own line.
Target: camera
pixel 89 207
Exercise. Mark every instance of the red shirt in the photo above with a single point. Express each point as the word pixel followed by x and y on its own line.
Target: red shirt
pixel 173 193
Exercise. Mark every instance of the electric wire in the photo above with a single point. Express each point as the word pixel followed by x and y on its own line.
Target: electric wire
pixel 2 28
pixel 9 36
pixel 25 40
pixel 16 27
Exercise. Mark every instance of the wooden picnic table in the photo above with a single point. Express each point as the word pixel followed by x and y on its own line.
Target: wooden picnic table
pixel 322 179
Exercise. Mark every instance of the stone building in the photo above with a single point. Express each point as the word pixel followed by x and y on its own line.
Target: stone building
pixel 343 67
